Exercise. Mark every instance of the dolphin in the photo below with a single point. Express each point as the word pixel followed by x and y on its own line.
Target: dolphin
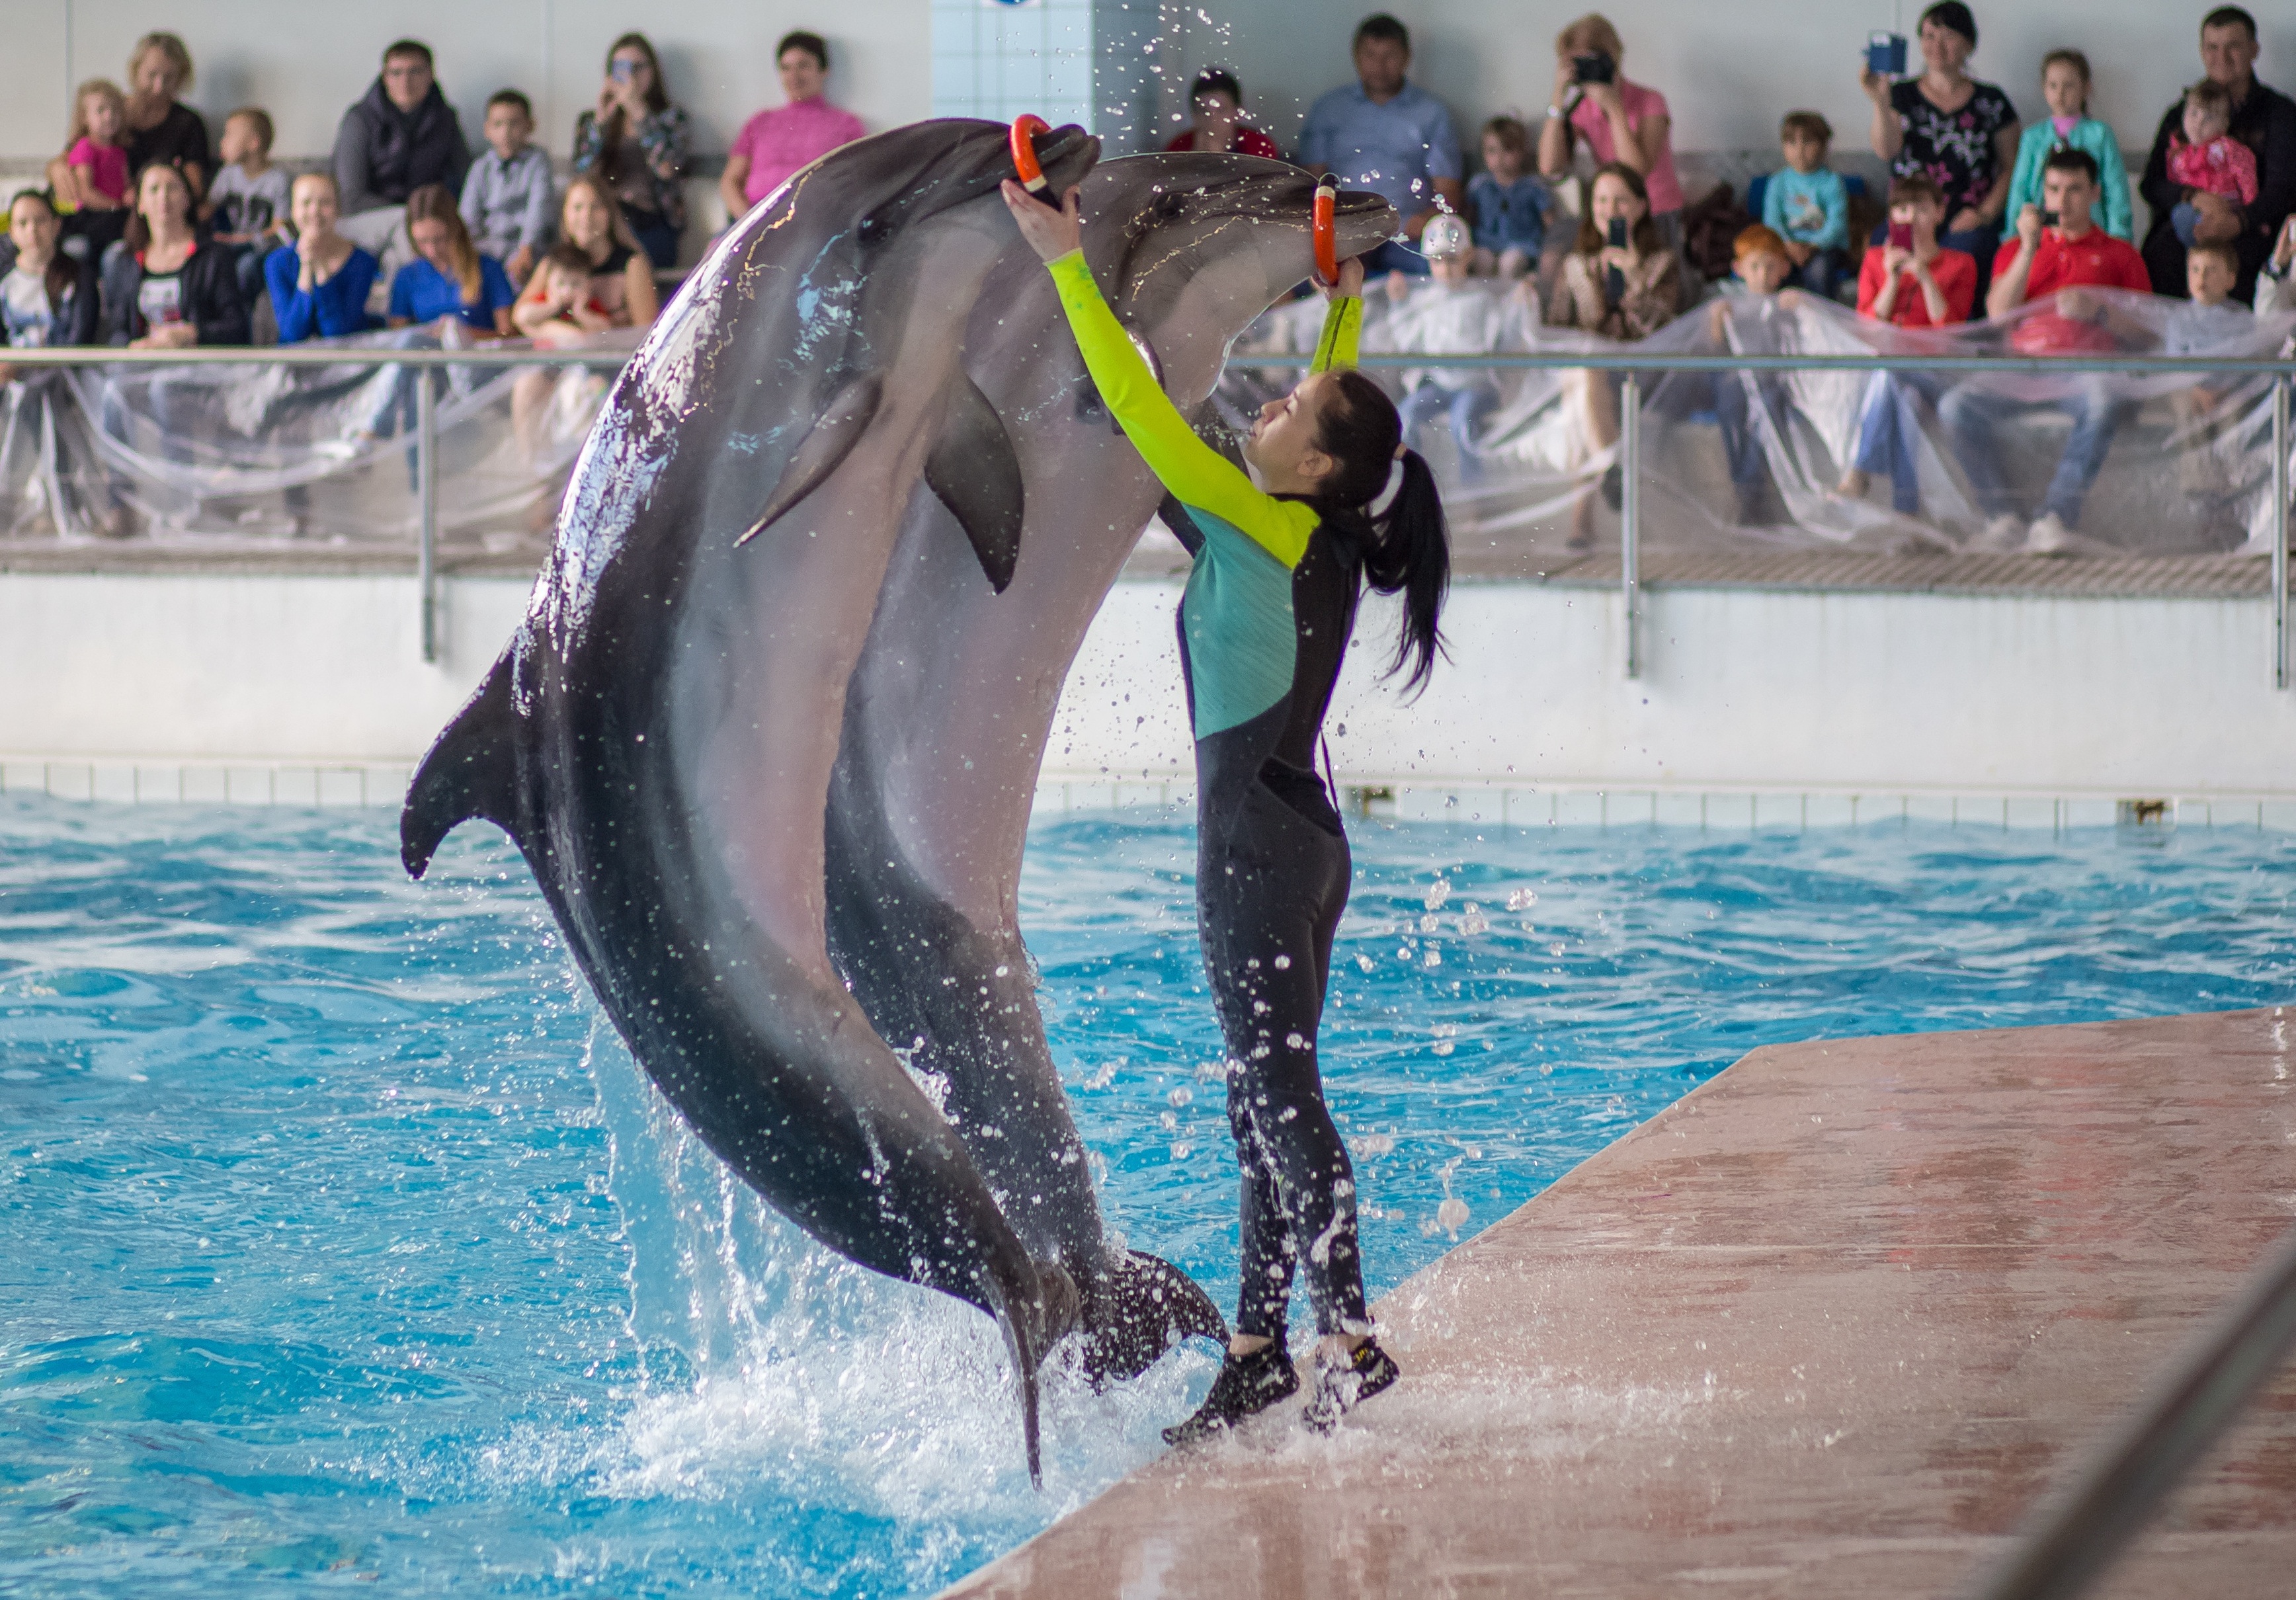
pixel 951 704
pixel 657 737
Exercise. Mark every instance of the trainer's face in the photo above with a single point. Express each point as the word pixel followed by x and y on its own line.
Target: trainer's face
pixel 1283 444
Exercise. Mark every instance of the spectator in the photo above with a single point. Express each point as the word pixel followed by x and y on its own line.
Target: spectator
pixel 1910 282
pixel 1508 204
pixel 2064 88
pixel 159 127
pixel 622 281
pixel 448 279
pixel 162 290
pixel 783 140
pixel 506 200
pixel 402 136
pixel 1623 122
pixel 637 141
pixel 1745 319
pixel 1960 134
pixel 562 313
pixel 2040 263
pixel 1620 281
pixel 46 298
pixel 2208 158
pixel 92 181
pixel 2263 120
pixel 1807 205
pixel 2209 321
pixel 1447 315
pixel 2275 282
pixel 1217 102
pixel 1385 134
pixel 247 204
pixel 319 283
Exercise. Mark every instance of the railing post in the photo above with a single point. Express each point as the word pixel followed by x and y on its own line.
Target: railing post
pixel 2279 531
pixel 426 493
pixel 1630 515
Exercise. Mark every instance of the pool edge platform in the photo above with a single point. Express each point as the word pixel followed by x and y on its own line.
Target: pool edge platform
pixel 1829 1325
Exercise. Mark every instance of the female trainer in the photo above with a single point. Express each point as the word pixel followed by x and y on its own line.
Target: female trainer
pixel 1280 565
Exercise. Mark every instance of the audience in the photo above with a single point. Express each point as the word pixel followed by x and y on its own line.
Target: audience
pixel 638 142
pixel 2264 120
pixel 1745 318
pixel 1508 202
pixel 783 140
pixel 507 198
pixel 1912 281
pixel 2208 321
pixel 319 284
pixel 1623 123
pixel 1807 205
pixel 48 298
pixel 621 286
pixel 162 290
pixel 159 127
pixel 1386 135
pixel 402 136
pixel 1620 281
pixel 247 204
pixel 1217 102
pixel 449 280
pixel 2208 160
pixel 1960 134
pixel 1446 315
pixel 2065 88
pixel 91 181
pixel 2042 262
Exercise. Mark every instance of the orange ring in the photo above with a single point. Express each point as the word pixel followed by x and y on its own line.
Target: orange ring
pixel 1327 247
pixel 1025 128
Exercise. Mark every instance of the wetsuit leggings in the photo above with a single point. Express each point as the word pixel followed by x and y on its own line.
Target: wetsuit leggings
pixel 1270 886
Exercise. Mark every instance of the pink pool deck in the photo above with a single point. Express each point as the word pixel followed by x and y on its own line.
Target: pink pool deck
pixel 1828 1327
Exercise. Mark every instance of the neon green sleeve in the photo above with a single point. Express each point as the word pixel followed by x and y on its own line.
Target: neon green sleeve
pixel 1197 475
pixel 1342 331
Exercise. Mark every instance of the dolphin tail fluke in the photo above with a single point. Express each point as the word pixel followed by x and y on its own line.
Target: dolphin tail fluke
pixel 974 470
pixel 1033 1323
pixel 1139 1309
pixel 472 770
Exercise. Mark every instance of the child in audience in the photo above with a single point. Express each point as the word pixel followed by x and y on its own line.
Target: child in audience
pixel 564 312
pixel 2207 157
pixel 508 201
pixel 2065 86
pixel 1508 202
pixel 2208 321
pixel 91 178
pixel 1912 281
pixel 1752 295
pixel 1445 314
pixel 247 204
pixel 1807 205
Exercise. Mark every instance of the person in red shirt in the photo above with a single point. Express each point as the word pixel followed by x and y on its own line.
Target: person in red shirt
pixel 1219 103
pixel 2056 257
pixel 1911 282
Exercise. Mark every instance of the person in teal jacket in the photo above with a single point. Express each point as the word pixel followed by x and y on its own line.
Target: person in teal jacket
pixel 2064 85
pixel 1280 556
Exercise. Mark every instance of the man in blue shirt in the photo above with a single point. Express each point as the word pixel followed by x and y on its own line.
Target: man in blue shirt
pixel 1384 135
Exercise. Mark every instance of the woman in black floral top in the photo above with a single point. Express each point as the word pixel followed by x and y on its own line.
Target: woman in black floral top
pixel 1959 134
pixel 637 143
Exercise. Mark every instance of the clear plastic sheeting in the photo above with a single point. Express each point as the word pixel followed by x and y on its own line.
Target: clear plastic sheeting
pixel 224 457
pixel 1758 460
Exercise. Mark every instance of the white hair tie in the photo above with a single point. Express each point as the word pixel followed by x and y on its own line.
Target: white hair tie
pixel 1379 506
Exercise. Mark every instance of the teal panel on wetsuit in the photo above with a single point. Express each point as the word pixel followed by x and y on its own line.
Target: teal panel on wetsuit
pixel 1242 650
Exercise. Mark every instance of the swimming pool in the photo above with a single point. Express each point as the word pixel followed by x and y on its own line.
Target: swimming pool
pixel 345 1247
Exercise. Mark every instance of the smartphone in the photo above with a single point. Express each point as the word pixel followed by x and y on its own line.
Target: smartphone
pixel 1885 54
pixel 2049 220
pixel 1595 66
pixel 1619 234
pixel 1901 235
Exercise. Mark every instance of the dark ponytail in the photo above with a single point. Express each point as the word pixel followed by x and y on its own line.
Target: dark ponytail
pixel 1406 548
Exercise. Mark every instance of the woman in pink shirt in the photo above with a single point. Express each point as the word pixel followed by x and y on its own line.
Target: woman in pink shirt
pixel 1621 121
pixel 774 144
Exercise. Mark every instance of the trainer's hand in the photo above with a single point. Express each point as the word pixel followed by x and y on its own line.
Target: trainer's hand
pixel 1350 285
pixel 1051 234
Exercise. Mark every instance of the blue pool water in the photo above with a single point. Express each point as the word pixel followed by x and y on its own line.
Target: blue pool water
pixel 345 1248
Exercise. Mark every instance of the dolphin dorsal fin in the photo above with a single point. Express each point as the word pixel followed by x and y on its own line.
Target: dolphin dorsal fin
pixel 839 428
pixel 471 770
pixel 975 472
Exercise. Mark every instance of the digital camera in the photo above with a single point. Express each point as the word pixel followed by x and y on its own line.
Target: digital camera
pixel 1885 54
pixel 1593 66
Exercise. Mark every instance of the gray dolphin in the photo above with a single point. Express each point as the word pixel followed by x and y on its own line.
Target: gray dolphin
pixel 658 735
pixel 950 707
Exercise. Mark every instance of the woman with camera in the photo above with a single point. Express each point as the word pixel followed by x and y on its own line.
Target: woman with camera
pixel 1947 127
pixel 1623 122
pixel 638 143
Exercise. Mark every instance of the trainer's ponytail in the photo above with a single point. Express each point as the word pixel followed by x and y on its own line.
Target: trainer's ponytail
pixel 1404 544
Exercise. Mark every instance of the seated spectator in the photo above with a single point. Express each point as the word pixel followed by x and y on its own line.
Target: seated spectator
pixel 1218 100
pixel 162 290
pixel 1911 282
pixel 48 298
pixel 247 204
pixel 1623 122
pixel 1744 319
pixel 508 201
pixel 2208 159
pixel 402 136
pixel 319 284
pixel 621 286
pixel 1807 205
pixel 782 141
pixel 560 312
pixel 1947 127
pixel 2209 321
pixel 92 181
pixel 1447 314
pixel 1620 281
pixel 159 127
pixel 2040 263
pixel 1508 204
pixel 448 280
pixel 2065 87
pixel 1387 136
pixel 638 142
pixel 2264 120
pixel 2276 282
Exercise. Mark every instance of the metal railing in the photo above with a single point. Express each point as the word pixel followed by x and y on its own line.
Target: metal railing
pixel 1625 360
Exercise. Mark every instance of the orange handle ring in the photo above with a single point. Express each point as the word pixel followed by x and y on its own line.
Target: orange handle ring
pixel 1327 248
pixel 1025 128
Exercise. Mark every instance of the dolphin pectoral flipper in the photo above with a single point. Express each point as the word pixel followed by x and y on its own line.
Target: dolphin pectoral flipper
pixel 839 428
pixel 471 770
pixel 974 470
